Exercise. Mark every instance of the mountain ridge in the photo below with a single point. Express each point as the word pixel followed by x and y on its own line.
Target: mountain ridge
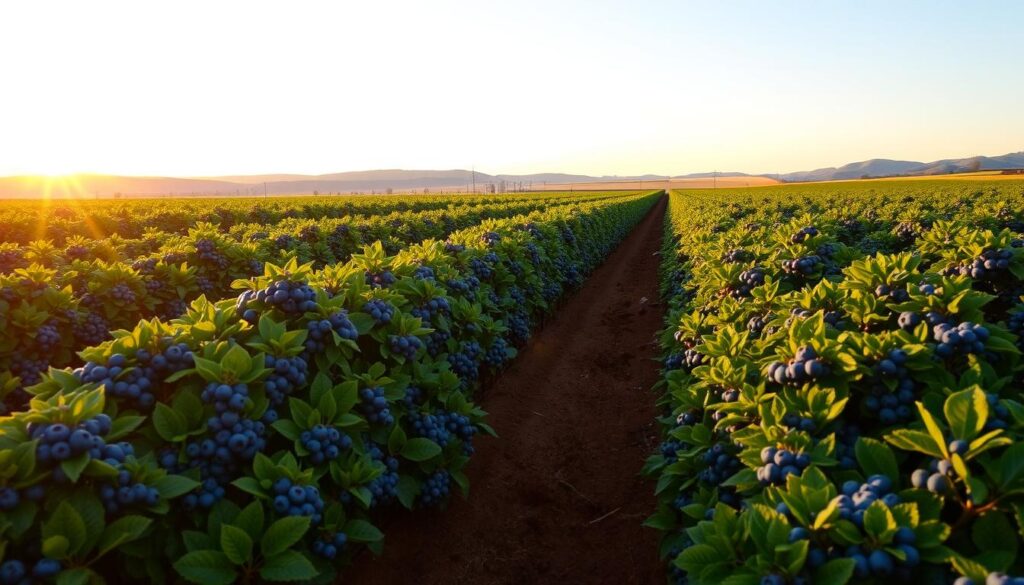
pixel 382 180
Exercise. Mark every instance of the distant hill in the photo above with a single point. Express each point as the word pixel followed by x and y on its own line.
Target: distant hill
pixel 879 167
pixel 94 185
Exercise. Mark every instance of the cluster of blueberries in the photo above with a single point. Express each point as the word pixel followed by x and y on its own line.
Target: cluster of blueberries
pixel 779 463
pixel 330 547
pixel 292 298
pixel 122 292
pixel 892 294
pixel 483 267
pixel 720 465
pixel 803 234
pixel 58 442
pixel 435 306
pixel 892 407
pixel 320 331
pixel 47 337
pixel 938 476
pixel 208 254
pixel 805 366
pixel 324 443
pixel 127 493
pixel 437 342
pixel 436 489
pixel 803 266
pixel 490 238
pixel 424 273
pixel 292 499
pixel 374 406
pixel 137 383
pixel 960 339
pixel 406 346
pixel 497 353
pixel 381 279
pixel 991 265
pixel 381 311
pixel 737 255
pixel 518 324
pixel 16 572
pixel 464 362
pixel 287 375
pixel 464 287
pixel 384 487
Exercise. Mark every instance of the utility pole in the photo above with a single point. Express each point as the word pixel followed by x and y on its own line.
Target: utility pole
pixel 264 189
pixel 474 178
pixel 715 182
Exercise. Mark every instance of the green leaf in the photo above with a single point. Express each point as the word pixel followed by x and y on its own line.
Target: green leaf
pixel 933 429
pixel 236 544
pixel 408 489
pixel 879 521
pixel 994 532
pixel 913 440
pixel 249 485
pixel 835 572
pixel 250 519
pixel 168 423
pixel 290 565
pixel 363 531
pixel 282 534
pixel 966 412
pixel 55 547
pixel 122 426
pixel 74 467
pixel 77 576
pixel 195 540
pixel 420 449
pixel 397 440
pixel 206 567
pixel 236 361
pixel 172 486
pixel 121 531
pixel 875 457
pixel 67 522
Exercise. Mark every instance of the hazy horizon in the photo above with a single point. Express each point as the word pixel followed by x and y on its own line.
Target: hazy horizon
pixel 594 88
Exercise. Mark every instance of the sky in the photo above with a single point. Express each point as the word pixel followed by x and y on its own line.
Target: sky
pixel 207 88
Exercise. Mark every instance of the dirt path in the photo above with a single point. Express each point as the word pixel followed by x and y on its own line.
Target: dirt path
pixel 558 498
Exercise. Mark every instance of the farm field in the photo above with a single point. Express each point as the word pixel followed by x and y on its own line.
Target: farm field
pixel 812 383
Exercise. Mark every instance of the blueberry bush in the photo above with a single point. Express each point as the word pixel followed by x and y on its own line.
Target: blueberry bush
pixel 841 385
pixel 257 438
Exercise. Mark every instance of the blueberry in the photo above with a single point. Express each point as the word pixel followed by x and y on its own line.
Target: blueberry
pixel 905 535
pixel 46 568
pixel 937 483
pixel 959 447
pixel 913 557
pixel 881 562
pixel 798 533
pixel 919 478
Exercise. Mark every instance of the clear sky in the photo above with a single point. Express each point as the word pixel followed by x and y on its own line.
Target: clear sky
pixel 225 87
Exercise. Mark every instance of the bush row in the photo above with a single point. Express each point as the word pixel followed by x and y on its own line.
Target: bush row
pixel 842 386
pixel 62 221
pixel 59 305
pixel 256 439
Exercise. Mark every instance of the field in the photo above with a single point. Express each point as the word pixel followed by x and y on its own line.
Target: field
pixel 787 384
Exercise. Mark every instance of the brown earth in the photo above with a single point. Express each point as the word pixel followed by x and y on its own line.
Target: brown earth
pixel 558 497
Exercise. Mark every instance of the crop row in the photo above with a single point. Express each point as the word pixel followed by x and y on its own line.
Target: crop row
pixel 51 310
pixel 79 222
pixel 256 439
pixel 841 386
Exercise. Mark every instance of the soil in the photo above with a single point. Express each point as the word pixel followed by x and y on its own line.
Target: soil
pixel 558 497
